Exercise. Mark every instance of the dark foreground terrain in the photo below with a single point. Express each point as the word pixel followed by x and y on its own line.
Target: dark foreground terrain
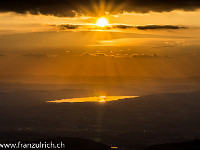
pixel 188 145
pixel 64 143
pixel 127 124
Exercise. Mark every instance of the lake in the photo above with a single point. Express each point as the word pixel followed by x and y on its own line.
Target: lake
pixel 100 99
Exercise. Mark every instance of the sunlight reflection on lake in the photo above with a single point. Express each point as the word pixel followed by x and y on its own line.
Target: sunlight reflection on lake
pixel 100 99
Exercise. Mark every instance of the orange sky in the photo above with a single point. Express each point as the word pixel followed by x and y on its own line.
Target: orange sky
pixel 47 44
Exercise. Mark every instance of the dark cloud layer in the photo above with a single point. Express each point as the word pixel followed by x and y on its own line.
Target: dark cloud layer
pixel 65 7
pixel 53 7
pixel 163 5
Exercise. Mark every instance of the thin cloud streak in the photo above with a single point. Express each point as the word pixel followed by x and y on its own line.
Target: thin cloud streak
pixel 118 27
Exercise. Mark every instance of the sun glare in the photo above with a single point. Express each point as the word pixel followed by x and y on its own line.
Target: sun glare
pixel 102 22
pixel 102 99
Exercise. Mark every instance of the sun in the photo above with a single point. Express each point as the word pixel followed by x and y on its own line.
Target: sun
pixel 102 22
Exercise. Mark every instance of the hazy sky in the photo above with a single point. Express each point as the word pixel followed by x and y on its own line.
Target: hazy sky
pixel 143 38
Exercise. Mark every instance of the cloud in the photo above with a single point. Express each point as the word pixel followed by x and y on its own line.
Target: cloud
pixel 69 8
pixel 67 26
pixel 120 26
pixel 145 27
pixel 153 27
pixel 2 54
pixel 94 54
pixel 162 5
pixel 126 55
pixel 38 55
pixel 77 27
pixel 52 7
pixel 149 56
pixel 35 55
